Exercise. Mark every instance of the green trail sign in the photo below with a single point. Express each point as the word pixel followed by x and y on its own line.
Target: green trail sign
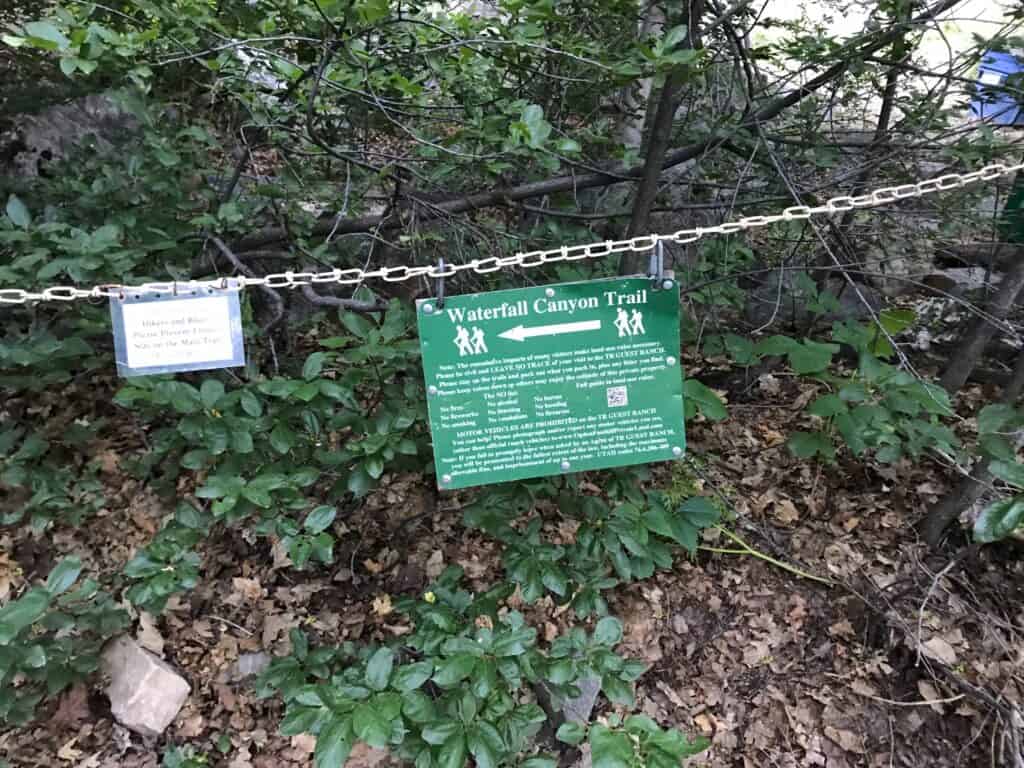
pixel 540 381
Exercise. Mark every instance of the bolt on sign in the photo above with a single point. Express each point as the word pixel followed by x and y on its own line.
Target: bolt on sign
pixel 540 381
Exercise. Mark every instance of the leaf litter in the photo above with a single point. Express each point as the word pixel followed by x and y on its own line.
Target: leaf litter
pixel 906 661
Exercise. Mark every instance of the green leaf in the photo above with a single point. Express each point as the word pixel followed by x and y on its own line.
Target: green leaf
pixel 370 725
pixel 894 320
pixel 571 732
pixel 1008 471
pixel 540 761
pixel 18 213
pixel 250 404
pixel 21 613
pixel 999 520
pixel 568 146
pixel 805 445
pixel 618 691
pixel 776 345
pixel 439 732
pixel 811 357
pixel 409 677
pixel 418 707
pixel 314 365
pixel 700 512
pixel 482 746
pixel 537 128
pixel 333 744
pixel 452 670
pixel 453 751
pixel 282 438
pixel 378 669
pixel 359 482
pixel 608 631
pixel 673 37
pixel 610 749
pixel 514 643
pixel 211 391
pixel 707 402
pixel 993 417
pixel 827 406
pixel 320 519
pixel 45 30
pixel 374 467
pixel 63 576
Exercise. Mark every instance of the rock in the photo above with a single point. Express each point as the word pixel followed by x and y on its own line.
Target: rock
pixel 249 665
pixel 145 693
pixel 792 302
pixel 96 120
pixel 579 708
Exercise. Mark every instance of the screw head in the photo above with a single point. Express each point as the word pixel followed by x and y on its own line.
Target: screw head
pixel 445 479
pixel 677 451
pixel 550 292
pixel 565 466
pixel 431 390
pixel 667 284
pixel 428 309
pixel 670 361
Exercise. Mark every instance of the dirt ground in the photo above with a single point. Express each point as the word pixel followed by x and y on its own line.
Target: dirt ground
pixel 908 658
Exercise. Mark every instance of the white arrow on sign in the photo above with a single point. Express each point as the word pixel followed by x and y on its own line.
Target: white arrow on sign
pixel 519 333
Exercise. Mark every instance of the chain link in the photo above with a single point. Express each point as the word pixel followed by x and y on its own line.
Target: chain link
pixel 355 276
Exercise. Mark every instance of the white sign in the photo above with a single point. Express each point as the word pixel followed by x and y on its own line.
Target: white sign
pixel 177 333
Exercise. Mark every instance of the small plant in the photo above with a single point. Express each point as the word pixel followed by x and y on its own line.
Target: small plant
pixel 636 742
pixel 169 563
pixel 51 638
pixel 50 487
pixel 462 684
pixel 625 540
pixel 183 757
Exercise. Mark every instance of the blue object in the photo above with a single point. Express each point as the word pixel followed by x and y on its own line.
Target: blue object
pixel 193 329
pixel 991 103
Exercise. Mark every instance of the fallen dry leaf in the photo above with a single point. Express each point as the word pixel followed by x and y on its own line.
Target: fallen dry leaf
pixel 939 650
pixel 68 751
pixel 148 635
pixel 435 564
pixel 73 708
pixel 382 605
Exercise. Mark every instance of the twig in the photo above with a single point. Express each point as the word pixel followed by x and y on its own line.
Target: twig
pixel 927 597
pixel 243 630
pixel 923 703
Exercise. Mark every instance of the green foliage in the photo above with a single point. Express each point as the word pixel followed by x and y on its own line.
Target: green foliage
pixel 49 486
pixel 354 410
pixel 624 540
pixel 459 686
pixel 639 742
pixel 183 757
pixel 169 563
pixel 51 637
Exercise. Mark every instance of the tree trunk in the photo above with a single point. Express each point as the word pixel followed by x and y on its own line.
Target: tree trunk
pixel 658 142
pixel 971 487
pixel 981 330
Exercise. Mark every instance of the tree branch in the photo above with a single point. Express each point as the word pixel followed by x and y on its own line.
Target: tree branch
pixel 614 175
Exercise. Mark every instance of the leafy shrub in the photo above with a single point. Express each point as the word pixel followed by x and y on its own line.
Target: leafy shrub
pixel 624 540
pixel 463 683
pixel 51 638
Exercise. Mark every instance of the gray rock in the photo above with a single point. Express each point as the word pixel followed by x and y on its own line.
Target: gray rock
pixel 145 693
pixel 579 708
pixel 250 665
pixel 784 301
pixel 50 135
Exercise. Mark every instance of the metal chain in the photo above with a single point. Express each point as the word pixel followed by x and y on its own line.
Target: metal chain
pixel 355 276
